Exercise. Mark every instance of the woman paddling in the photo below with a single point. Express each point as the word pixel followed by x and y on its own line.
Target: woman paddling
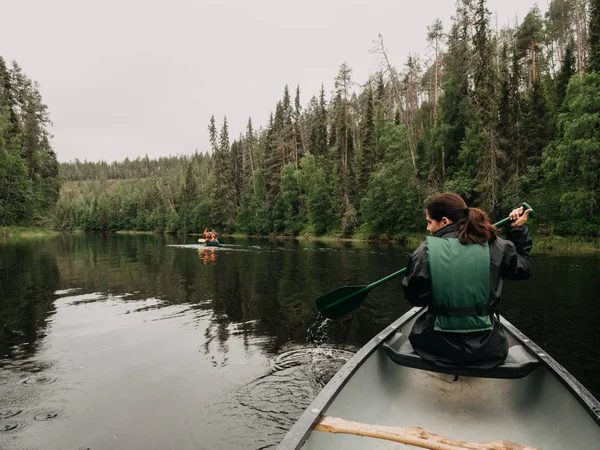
pixel 458 274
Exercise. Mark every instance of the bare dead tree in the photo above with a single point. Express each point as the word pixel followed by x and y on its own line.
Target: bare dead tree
pixel 396 85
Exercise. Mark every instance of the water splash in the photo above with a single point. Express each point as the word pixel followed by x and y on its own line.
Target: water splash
pixel 317 332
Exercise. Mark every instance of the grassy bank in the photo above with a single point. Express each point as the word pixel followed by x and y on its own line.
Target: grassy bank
pixel 26 233
pixel 133 232
pixel 574 244
pixel 541 243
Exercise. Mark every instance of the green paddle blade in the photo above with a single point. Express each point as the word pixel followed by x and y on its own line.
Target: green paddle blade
pixel 341 301
pixel 346 299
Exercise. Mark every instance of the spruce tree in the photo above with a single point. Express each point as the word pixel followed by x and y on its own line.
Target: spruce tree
pixel 248 164
pixel 454 102
pixel 319 127
pixel 368 144
pixel 594 32
pixel 224 206
pixel 479 153
pixel 537 124
pixel 567 70
pixel 344 148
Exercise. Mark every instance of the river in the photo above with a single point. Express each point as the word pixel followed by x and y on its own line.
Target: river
pixel 154 342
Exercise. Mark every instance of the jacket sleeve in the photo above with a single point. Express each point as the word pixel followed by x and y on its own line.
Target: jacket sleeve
pixel 516 262
pixel 416 282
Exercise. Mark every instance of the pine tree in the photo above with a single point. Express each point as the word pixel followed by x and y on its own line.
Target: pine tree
pixel 248 158
pixel 224 206
pixel 594 32
pixel 297 130
pixel 275 154
pixel 537 125
pixel 528 38
pixel 318 134
pixel 567 70
pixel 435 33
pixel 344 148
pixel 504 116
pixel 368 144
pixel 7 100
pixel 514 147
pixel 212 135
pixel 237 174
pixel 454 102
pixel 479 152
pixel 189 196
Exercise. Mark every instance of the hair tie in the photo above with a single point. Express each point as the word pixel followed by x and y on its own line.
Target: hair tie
pixel 466 212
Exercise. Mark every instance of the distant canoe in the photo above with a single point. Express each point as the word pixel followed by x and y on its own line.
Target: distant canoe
pixel 386 390
pixel 214 243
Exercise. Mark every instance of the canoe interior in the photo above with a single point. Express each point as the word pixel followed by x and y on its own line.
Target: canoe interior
pixel 536 410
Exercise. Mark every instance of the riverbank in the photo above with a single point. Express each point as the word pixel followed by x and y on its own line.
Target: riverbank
pixel 541 242
pixel 26 233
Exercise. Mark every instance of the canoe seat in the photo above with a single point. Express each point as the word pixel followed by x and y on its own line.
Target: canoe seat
pixel 519 362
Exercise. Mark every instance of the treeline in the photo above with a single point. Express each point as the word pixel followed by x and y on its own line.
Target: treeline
pixel 497 116
pixel 29 181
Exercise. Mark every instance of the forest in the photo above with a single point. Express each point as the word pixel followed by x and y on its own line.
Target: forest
pixel 29 171
pixel 498 115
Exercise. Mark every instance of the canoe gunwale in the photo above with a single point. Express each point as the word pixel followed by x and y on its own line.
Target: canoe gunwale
pixel 301 430
pixel 583 396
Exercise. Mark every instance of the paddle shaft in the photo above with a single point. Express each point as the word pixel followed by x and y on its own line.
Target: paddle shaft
pixel 415 436
pixel 365 290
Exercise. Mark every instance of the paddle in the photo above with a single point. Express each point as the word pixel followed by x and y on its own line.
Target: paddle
pixel 346 299
pixel 202 240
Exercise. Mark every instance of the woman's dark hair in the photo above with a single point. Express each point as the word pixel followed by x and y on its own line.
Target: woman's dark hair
pixel 475 226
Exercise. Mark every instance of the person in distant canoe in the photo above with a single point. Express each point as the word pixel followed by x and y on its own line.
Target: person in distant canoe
pixel 458 274
pixel 205 233
pixel 214 234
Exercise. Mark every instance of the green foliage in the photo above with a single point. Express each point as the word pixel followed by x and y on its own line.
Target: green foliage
pixel 493 120
pixel 29 181
pixel 317 193
pixel 567 70
pixel 594 33
pixel 572 161
pixel 393 202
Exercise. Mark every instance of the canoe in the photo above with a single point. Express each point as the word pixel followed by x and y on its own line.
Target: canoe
pixel 386 387
pixel 214 243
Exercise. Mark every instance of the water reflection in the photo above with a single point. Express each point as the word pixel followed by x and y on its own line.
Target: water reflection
pixel 208 255
pixel 29 276
pixel 227 340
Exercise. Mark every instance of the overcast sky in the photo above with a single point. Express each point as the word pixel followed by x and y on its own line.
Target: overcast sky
pixel 135 77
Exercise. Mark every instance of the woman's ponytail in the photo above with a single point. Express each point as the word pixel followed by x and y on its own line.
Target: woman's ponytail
pixel 476 228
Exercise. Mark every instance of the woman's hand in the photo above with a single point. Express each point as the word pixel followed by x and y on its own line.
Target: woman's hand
pixel 519 216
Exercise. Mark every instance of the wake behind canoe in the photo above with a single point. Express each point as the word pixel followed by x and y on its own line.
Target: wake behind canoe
pixel 530 399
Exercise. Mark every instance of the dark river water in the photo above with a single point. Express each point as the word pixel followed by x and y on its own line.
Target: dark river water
pixel 151 342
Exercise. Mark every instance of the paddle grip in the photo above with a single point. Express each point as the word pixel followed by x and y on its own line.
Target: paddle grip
pixel 506 221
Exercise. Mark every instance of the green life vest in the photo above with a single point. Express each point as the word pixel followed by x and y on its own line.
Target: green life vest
pixel 460 277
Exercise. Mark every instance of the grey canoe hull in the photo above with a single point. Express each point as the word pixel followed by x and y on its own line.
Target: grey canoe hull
pixel 547 409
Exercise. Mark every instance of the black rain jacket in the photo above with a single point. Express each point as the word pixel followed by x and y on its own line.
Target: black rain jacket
pixel 509 259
